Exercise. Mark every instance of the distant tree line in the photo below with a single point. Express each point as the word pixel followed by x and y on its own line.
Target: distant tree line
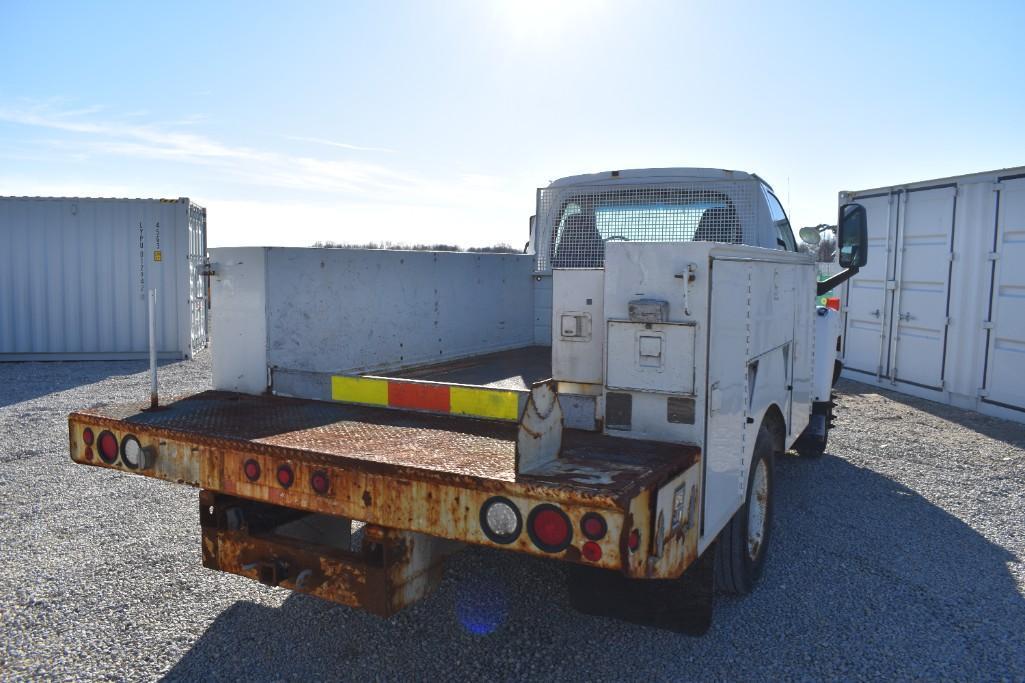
pixel 493 249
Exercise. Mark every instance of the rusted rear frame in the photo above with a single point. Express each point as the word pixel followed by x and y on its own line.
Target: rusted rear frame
pixel 437 503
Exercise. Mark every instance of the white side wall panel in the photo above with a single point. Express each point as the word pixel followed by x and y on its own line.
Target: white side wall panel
pixel 74 275
pixel 355 310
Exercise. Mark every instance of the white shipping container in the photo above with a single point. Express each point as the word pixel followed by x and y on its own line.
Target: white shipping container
pixel 939 311
pixel 74 275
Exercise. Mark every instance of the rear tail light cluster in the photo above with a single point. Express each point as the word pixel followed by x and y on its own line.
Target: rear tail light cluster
pixel 133 455
pixel 320 480
pixel 549 528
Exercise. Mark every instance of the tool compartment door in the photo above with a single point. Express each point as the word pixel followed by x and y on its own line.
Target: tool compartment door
pixel 726 430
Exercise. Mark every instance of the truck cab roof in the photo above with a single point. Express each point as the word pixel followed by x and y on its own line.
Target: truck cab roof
pixel 654 175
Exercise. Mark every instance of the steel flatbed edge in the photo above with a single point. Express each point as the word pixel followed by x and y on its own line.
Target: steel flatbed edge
pixel 396 469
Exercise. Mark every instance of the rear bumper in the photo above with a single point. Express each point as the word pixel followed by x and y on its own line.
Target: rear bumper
pixel 432 503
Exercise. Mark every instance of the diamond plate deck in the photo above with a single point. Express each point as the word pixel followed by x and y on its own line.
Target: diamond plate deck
pixel 417 445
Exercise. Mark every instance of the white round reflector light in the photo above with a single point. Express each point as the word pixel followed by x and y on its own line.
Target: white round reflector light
pixel 131 452
pixel 500 520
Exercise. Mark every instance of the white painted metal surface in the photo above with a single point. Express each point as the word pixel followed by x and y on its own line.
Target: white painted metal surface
pixel 578 314
pixel 939 312
pixel 238 345
pixel 74 273
pixel 295 316
pixel 651 357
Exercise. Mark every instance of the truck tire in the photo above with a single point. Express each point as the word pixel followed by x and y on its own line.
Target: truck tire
pixel 813 440
pixel 742 546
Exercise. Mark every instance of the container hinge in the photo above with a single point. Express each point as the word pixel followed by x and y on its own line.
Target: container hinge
pixel 993 256
pixel 891 284
pixel 951 257
pixel 998 186
pixel 983 392
pixel 947 321
pixel 987 324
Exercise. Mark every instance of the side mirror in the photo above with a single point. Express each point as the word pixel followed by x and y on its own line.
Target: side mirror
pixel 810 236
pixel 852 236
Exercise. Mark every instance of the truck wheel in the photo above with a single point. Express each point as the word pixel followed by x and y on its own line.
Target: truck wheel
pixel 813 440
pixel 742 545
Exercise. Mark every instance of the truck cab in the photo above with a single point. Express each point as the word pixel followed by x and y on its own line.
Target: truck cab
pixel 614 398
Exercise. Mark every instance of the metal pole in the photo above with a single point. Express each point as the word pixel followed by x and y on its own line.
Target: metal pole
pixel 153 400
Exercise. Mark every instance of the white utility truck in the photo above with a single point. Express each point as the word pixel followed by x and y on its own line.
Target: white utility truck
pixel 613 398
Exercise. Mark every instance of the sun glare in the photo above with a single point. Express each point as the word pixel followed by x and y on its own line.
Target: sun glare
pixel 543 22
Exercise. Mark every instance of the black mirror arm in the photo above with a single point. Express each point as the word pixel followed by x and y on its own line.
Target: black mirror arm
pixel 836 280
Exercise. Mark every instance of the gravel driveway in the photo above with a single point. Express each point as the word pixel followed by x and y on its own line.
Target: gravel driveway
pixel 897 555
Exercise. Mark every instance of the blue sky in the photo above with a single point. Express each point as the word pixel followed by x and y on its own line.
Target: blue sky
pixel 436 121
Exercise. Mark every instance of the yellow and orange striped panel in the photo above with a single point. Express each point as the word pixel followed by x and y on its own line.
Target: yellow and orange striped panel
pixel 493 404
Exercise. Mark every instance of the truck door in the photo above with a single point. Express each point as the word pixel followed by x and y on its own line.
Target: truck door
pixel 1005 346
pixel 921 296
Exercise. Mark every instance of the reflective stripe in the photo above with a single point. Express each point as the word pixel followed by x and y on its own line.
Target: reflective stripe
pixel 360 390
pixel 433 397
pixel 494 403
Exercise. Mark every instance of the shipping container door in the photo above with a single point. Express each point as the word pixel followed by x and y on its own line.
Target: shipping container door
pixel 866 332
pixel 197 284
pixel 1005 354
pixel 919 321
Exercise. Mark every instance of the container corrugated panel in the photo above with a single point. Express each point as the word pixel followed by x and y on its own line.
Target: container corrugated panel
pixel 74 276
pixel 939 311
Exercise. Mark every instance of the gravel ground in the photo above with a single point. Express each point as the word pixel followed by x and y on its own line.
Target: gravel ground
pixel 898 555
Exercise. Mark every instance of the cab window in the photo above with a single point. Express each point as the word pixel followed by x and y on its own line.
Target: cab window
pixel 784 235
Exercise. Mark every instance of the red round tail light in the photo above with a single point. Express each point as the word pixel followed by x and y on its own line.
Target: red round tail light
pixel 549 528
pixel 251 469
pixel 107 447
pixel 87 436
pixel 89 453
pixel 633 541
pixel 286 477
pixel 591 551
pixel 593 525
pixel 320 482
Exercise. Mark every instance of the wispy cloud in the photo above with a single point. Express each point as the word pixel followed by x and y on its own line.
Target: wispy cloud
pixel 268 188
pixel 128 137
pixel 339 145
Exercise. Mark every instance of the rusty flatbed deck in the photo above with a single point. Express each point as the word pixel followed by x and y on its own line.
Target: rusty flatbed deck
pixel 413 471
pixel 406 444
